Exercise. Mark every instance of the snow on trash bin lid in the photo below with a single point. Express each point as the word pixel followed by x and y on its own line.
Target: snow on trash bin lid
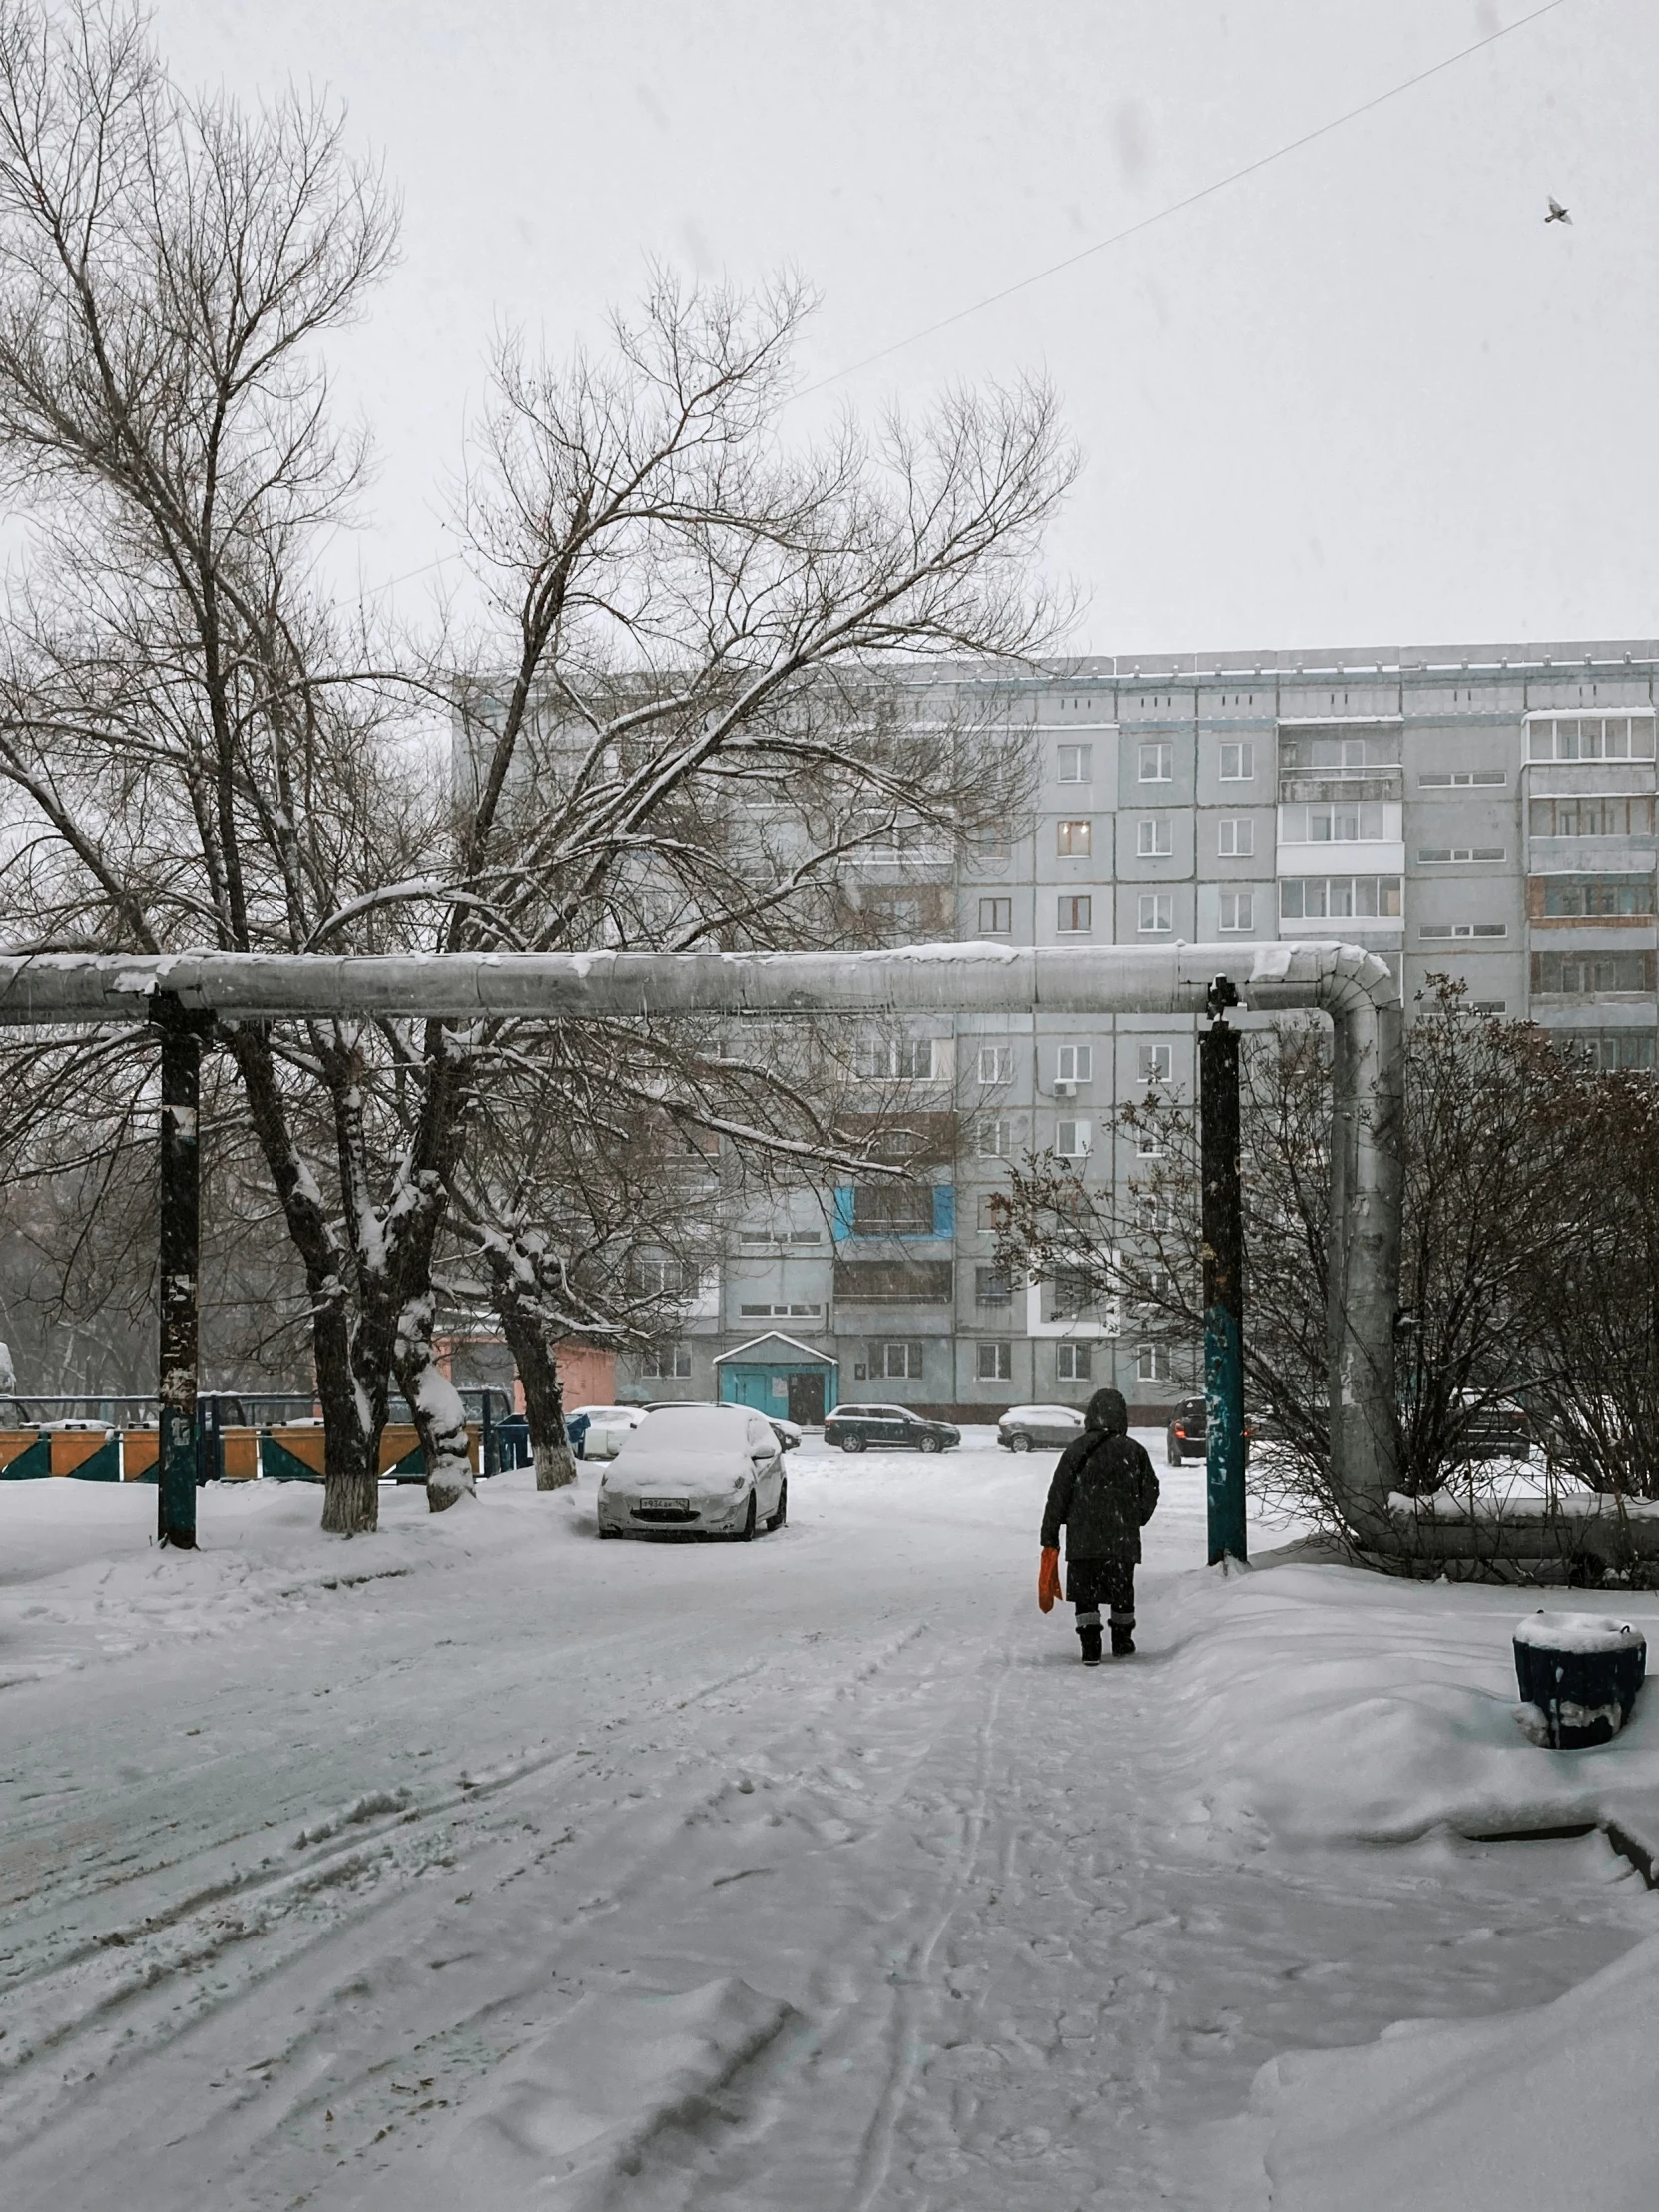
pixel 1579 1632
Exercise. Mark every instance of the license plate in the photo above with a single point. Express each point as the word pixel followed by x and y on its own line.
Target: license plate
pixel 665 1506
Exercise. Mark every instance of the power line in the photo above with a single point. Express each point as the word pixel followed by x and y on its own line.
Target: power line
pixel 1179 206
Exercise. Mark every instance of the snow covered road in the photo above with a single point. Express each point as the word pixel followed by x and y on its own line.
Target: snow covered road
pixel 481 1863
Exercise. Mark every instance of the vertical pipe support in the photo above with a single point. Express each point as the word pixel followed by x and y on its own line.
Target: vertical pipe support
pixel 1366 1177
pixel 1222 1232
pixel 181 1034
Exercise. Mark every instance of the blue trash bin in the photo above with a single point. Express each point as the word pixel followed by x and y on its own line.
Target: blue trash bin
pixel 1582 1672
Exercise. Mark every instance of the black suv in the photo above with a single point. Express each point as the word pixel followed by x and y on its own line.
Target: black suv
pixel 887 1428
pixel 1188 1429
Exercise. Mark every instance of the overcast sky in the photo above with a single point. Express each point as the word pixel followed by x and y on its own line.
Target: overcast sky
pixel 1364 396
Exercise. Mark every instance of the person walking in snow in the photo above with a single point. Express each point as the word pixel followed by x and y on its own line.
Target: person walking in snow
pixel 1103 1493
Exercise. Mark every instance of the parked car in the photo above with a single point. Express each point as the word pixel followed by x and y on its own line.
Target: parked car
pixel 1189 1431
pixel 695 1471
pixel 787 1434
pixel 887 1428
pixel 597 1432
pixel 1038 1427
pixel 1493 1428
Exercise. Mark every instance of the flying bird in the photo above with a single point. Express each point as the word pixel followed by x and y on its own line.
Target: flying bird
pixel 1558 214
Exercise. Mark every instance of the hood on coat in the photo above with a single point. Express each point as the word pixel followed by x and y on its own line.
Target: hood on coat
pixel 1107 1411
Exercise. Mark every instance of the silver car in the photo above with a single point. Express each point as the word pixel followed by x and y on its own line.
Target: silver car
pixel 1038 1427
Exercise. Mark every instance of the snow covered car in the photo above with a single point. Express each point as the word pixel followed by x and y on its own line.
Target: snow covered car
pixel 696 1471
pixel 1038 1427
pixel 599 1431
pixel 786 1432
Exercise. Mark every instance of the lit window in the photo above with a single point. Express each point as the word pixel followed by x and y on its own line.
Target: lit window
pixel 1074 841
pixel 1157 760
pixel 1153 838
pixel 1074 1362
pixel 1237 761
pixel 1153 1063
pixel 1076 918
pixel 1238 910
pixel 1235 837
pixel 1076 764
pixel 996 1063
pixel 1071 1140
pixel 1157 912
pixel 997 1362
pixel 996 917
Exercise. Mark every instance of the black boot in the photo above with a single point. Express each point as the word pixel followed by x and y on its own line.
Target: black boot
pixel 1123 1642
pixel 1089 1638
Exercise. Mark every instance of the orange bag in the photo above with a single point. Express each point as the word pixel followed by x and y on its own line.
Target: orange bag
pixel 1048 1580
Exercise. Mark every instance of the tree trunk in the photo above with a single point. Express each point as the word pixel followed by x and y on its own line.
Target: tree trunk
pixel 439 1417
pixel 538 1371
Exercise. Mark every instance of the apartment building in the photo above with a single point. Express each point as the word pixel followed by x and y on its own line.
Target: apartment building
pixel 1486 812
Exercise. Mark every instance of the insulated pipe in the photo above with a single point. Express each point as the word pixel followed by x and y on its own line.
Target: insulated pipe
pixel 1353 987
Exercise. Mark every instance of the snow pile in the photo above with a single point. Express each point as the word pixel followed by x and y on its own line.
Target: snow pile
pixel 1326 1704
pixel 1578 1632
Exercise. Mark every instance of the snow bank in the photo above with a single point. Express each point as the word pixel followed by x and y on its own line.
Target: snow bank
pixel 1547 2108
pixel 1327 1705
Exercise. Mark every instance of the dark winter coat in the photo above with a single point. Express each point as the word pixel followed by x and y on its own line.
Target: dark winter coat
pixel 1104 1490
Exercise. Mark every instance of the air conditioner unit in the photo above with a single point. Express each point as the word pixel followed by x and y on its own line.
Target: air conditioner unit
pixel 1064 1088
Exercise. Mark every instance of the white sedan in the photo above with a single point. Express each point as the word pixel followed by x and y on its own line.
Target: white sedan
pixel 696 1471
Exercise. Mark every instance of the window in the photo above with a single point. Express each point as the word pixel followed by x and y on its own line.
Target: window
pixel 1340 822
pixel 1148 1145
pixel 1074 1063
pixel 1235 837
pixel 780 1311
pixel 896 1282
pixel 1586 897
pixel 1593 817
pixel 1609 1051
pixel 1237 761
pixel 1157 911
pixel 996 1063
pixel 1433 778
pixel 994 1211
pixel 1152 1364
pixel 654 1275
pixel 992 1139
pixel 996 917
pixel 997 1362
pixel 1238 910
pixel 1153 838
pixel 896 1361
pixel 992 841
pixel 1076 764
pixel 1157 760
pixel 885 1059
pixel 1338 748
pixel 1071 1140
pixel 1074 1362
pixel 892 1209
pixel 1153 1063
pixel 1074 841
pixel 1076 916
pixel 807 1236
pixel 1591 737
pixel 1068 1296
pixel 1437 856
pixel 668 1360
pixel 992 1286
pixel 1338 898
pixel 1591 974
pixel 1439 930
